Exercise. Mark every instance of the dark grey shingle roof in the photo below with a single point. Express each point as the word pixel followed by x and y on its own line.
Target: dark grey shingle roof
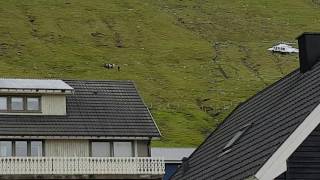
pixel 275 113
pixel 116 109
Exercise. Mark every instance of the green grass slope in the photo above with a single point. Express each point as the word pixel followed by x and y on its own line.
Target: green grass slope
pixel 193 61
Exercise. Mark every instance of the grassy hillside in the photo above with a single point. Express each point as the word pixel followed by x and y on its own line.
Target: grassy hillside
pixel 193 61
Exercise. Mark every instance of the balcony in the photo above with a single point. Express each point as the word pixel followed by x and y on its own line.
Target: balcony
pixel 81 166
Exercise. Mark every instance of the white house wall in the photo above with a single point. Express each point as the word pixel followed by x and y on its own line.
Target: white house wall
pixel 53 104
pixel 67 148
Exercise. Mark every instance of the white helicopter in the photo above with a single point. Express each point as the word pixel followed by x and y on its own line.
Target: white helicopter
pixel 284 48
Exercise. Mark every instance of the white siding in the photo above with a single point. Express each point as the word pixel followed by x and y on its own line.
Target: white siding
pixel 53 104
pixel 67 148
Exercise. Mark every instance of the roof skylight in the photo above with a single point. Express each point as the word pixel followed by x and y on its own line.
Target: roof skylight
pixel 236 137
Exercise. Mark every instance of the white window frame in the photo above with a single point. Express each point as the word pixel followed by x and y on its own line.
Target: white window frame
pixel 27 103
pixel 112 150
pixel 29 148
pixel 108 145
pixel 24 105
pixel 123 142
pixel 6 105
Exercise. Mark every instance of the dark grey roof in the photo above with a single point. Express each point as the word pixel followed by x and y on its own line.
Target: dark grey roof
pixel 97 108
pixel 275 113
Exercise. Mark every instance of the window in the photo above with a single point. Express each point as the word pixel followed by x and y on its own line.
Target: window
pixel 33 104
pixel 17 104
pixel 122 149
pixel 5 148
pixel 101 149
pixel 3 104
pixel 36 148
pixel 236 137
pixel 21 148
pixel 116 149
pixel 20 104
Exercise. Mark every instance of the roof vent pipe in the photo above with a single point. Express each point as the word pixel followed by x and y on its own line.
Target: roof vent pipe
pixel 309 50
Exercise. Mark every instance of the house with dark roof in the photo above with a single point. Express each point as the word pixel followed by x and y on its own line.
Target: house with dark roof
pixel 75 129
pixel 273 135
pixel 172 158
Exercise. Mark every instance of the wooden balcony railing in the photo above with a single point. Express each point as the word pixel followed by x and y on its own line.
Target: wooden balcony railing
pixel 81 165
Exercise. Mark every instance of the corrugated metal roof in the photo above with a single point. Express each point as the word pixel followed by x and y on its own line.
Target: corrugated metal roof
pixel 171 154
pixel 47 84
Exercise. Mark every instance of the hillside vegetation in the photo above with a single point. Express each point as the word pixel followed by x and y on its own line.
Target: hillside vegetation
pixel 193 60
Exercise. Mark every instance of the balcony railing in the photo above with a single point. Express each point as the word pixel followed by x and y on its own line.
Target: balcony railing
pixel 81 165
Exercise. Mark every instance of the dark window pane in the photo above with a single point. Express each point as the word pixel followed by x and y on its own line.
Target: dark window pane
pixel 122 149
pixel 3 103
pixel 36 148
pixel 33 104
pixel 5 148
pixel 17 103
pixel 100 149
pixel 21 148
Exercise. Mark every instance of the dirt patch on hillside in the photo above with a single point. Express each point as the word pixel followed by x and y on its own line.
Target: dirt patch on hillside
pixel 203 106
pixel 118 42
pixel 215 60
pixel 316 2
pixel 4 49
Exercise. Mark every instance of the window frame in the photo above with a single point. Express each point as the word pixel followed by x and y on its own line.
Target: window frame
pixel 13 147
pixel 110 148
pixel 133 153
pixel 24 104
pixel 39 102
pixel 30 149
pixel 10 104
pixel 7 102
pixel 132 149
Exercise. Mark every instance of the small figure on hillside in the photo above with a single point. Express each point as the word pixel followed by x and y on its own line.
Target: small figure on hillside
pixel 118 68
pixel 109 66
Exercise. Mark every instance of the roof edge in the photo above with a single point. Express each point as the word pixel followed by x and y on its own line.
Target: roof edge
pixel 308 33
pixel 155 124
pixel 276 164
